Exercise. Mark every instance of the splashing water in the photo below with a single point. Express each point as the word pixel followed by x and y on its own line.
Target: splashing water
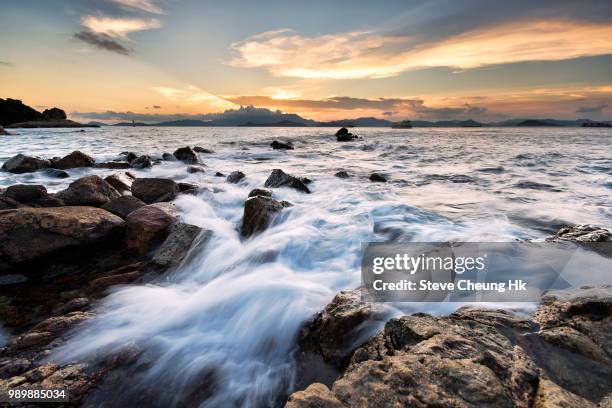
pixel 221 329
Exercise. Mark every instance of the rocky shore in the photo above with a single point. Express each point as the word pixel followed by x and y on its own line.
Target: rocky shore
pixel 60 254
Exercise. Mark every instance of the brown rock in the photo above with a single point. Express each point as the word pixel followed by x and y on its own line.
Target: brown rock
pixel 61 323
pixel 260 192
pixel 73 160
pixel 581 233
pixel 154 190
pixel 182 238
pixel 122 182
pixel 113 165
pixel 186 155
pixel 235 176
pixel 108 281
pixel 142 162
pixel 26 193
pixel 88 190
pixel 258 214
pixel 123 206
pixel 25 164
pixel 317 395
pixel 148 225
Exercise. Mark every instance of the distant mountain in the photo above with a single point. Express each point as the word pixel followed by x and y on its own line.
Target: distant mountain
pixel 446 123
pixel 282 123
pixel 184 122
pixel 94 123
pixel 137 124
pixel 16 114
pixel 359 122
pixel 541 122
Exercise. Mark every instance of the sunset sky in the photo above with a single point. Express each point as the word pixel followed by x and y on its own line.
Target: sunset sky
pixel 485 60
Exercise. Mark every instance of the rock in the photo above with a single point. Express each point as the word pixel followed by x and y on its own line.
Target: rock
pixel 188 188
pixel 550 395
pixel 3 132
pixel 178 244
pixel 56 173
pixel 54 114
pixel 195 169
pixel 377 177
pixel 317 395
pixel 219 174
pixel 276 145
pixel 8 203
pixel 122 182
pixel 15 366
pixel 106 282
pixel 142 162
pixel 331 333
pixel 168 157
pixel 342 174
pixel 88 190
pixel 73 160
pixel 258 213
pixel 29 340
pixel 279 178
pixel 123 206
pixel 260 192
pixel 30 233
pixel 41 372
pixel 61 323
pixel 149 224
pixel 25 164
pixel 129 156
pixel 73 305
pixel 115 165
pixel 581 233
pixel 26 193
pixel 186 155
pixel 305 180
pixel 235 177
pixel 154 190
pixel 12 279
pixel 343 135
pixel 199 149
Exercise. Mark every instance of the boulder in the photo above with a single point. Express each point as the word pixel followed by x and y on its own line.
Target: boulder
pixel 276 145
pixel 30 233
pixel 317 395
pixel 54 114
pixel 114 165
pixel 178 244
pixel 73 160
pixel 343 135
pixel 168 157
pixel 122 182
pixel 189 188
pixel 199 149
pixel 142 162
pixel 258 214
pixel 342 174
pixel 8 203
pixel 148 225
pixel 25 164
pixel 279 178
pixel 186 155
pixel 260 192
pixel 378 178
pixel 154 190
pixel 123 206
pixel 235 176
pixel 88 190
pixel 26 193
pixel 195 169
pixel 129 156
pixel 55 173
pixel 581 233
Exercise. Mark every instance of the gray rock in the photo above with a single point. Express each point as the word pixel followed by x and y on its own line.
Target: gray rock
pixel 179 243
pixel 199 149
pixel 142 162
pixel 279 178
pixel 581 233
pixel 235 177
pixel 195 169
pixel 25 164
pixel 154 190
pixel 258 214
pixel 168 157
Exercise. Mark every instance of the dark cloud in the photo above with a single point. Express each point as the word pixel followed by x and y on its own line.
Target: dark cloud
pixel 102 41
pixel 447 112
pixel 388 113
pixel 592 109
pixel 156 107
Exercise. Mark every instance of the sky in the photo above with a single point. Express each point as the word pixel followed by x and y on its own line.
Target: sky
pixel 325 60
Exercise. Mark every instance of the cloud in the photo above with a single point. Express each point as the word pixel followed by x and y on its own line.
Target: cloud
pixel 140 5
pixel 101 41
pixel 374 54
pixel 118 27
pixel 192 95
pixel 6 64
pixel 592 109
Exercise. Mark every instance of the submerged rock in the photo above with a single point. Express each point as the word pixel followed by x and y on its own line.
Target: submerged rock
pixel 142 162
pixel 195 169
pixel 186 155
pixel 581 233
pixel 199 149
pixel 276 145
pixel 56 173
pixel 121 181
pixel 279 178
pixel 115 165
pixel 149 224
pixel 129 156
pixel 258 213
pixel 30 233
pixel 378 178
pixel 88 190
pixel 179 243
pixel 123 206
pixel 74 160
pixel 235 176
pixel 168 157
pixel 25 164
pixel 342 174
pixel 154 190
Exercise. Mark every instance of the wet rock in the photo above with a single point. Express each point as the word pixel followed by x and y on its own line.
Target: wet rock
pixel 123 206
pixel 276 145
pixel 260 192
pixel 195 169
pixel 189 188
pixel 61 323
pixel 168 157
pixel 279 178
pixel 377 177
pixel 342 174
pixel 41 372
pixel 258 214
pixel 149 224
pixel 118 165
pixel 88 190
pixel 106 282
pixel 74 160
pixel 129 156
pixel 186 155
pixel 122 182
pixel 73 305
pixel 25 164
pixel 581 233
pixel 14 366
pixel 26 193
pixel 142 162
pixel 235 176
pixel 154 190
pixel 8 203
pixel 56 173
pixel 343 135
pixel 29 340
pixel 199 149
pixel 51 229
pixel 178 244
pixel 317 395
pixel 219 174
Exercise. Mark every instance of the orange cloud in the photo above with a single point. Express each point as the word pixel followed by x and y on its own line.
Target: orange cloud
pixel 118 27
pixel 373 55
